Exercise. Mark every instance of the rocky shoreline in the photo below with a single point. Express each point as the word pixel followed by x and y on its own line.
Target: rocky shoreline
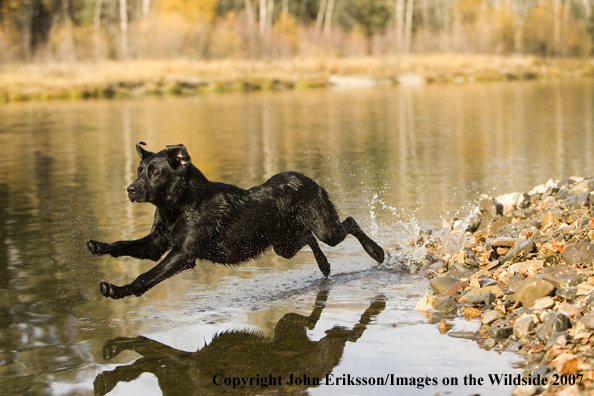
pixel 523 268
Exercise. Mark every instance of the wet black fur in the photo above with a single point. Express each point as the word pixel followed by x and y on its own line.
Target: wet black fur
pixel 222 223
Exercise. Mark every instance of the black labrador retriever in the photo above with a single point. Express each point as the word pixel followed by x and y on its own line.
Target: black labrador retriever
pixel 200 219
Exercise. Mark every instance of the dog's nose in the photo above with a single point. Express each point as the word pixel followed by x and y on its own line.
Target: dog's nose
pixel 131 190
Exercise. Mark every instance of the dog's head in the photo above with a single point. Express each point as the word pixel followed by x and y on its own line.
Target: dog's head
pixel 160 175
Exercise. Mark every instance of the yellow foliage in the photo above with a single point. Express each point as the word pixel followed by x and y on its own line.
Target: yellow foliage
pixel 468 10
pixel 286 25
pixel 192 10
pixel 506 30
pixel 539 33
pixel 226 42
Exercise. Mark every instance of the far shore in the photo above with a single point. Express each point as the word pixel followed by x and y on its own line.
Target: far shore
pixel 110 79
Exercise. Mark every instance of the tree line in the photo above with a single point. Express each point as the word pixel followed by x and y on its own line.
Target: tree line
pixel 82 30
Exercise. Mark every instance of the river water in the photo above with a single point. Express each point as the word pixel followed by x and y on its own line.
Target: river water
pixel 396 159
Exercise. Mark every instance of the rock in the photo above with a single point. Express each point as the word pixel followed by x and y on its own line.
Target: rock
pixel 462 334
pixel 427 302
pixel 579 253
pixel 492 289
pixel 523 326
pixel 558 338
pixel 522 213
pixel 560 275
pixel 568 310
pixel 554 323
pixel 487 282
pixel 514 201
pixel 544 303
pixel 446 305
pixel 506 242
pixel 567 293
pixel 513 230
pixel 530 232
pixel 456 288
pixel 584 186
pixel 531 289
pixel 491 316
pixel 529 268
pixel 567 183
pixel 578 201
pixel 550 219
pixel 542 188
pixel 488 205
pixel 441 284
pixel 589 300
pixel 501 332
pixel 485 298
pixel 497 224
pixel 588 321
pixel 489 343
pixel 459 270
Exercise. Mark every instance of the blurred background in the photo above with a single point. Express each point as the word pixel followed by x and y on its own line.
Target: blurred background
pixel 83 30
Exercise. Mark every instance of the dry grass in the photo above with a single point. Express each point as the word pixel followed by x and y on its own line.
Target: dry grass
pixel 137 78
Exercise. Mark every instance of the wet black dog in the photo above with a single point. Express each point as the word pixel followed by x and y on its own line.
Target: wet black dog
pixel 199 219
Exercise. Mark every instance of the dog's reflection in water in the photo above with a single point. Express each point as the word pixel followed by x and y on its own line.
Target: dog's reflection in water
pixel 236 355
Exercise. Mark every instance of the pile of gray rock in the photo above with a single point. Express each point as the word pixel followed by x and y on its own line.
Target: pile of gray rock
pixel 525 272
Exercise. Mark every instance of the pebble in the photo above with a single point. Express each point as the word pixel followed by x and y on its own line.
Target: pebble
pixel 589 300
pixel 567 293
pixel 555 322
pixel 579 253
pixel 441 284
pixel 558 338
pixel 560 275
pixel 568 310
pixel 487 282
pixel 485 298
pixel 446 305
pixel 531 289
pixel 585 186
pixel 501 332
pixel 491 316
pixel 588 321
pixel 544 303
pixel 513 230
pixel 523 326
pixel 550 218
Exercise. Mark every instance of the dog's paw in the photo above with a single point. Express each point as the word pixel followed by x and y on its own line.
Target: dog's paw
pixel 109 290
pixel 375 251
pixel 97 248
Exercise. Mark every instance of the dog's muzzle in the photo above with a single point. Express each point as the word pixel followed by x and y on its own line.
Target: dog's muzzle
pixel 134 194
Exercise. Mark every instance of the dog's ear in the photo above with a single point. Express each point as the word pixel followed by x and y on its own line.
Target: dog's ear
pixel 178 155
pixel 142 153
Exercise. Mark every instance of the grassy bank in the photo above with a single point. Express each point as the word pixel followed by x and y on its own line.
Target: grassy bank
pixel 20 82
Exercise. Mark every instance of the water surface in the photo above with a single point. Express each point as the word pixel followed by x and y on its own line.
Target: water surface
pixel 393 158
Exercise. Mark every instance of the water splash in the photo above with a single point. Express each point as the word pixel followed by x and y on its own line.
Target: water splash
pixel 412 243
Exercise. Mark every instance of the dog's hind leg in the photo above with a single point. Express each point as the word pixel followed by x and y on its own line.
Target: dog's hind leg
pixel 289 243
pixel 320 216
pixel 373 249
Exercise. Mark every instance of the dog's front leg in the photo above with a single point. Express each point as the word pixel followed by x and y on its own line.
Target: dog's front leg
pixel 151 247
pixel 175 262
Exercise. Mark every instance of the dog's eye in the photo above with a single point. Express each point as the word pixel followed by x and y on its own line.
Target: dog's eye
pixel 155 172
